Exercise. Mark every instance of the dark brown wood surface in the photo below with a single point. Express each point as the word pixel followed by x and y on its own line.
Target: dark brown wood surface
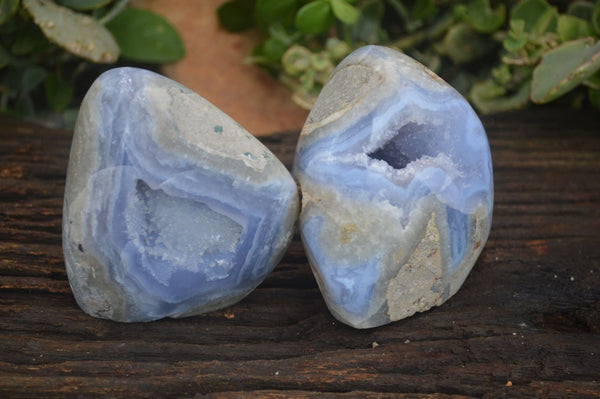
pixel 526 323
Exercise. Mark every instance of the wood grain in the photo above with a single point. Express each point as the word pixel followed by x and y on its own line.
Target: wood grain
pixel 525 324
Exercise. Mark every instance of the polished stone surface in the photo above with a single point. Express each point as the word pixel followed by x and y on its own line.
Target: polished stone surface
pixel 397 191
pixel 171 208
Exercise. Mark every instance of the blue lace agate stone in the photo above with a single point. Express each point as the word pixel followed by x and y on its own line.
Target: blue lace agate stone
pixel 171 208
pixel 397 192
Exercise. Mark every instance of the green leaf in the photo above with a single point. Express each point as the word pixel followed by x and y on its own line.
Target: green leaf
pixel 276 30
pixel 273 10
pixel 8 8
pixel 32 77
pixel 489 97
pixel 146 37
pixel 236 15
pixel 296 60
pixel 307 79
pixel 337 48
pixel 581 9
pixel 546 22
pixel 596 17
pixel 463 44
pixel 274 48
pixel 58 92
pixel 517 37
pixel 571 28
pixel 77 33
pixel 424 9
pixel 533 13
pixel 482 18
pixel 563 68
pixel 314 18
pixel 321 61
pixel 502 74
pixel 344 11
pixel 84 4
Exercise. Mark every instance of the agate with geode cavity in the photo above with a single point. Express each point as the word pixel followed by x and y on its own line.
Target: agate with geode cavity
pixel 397 192
pixel 171 208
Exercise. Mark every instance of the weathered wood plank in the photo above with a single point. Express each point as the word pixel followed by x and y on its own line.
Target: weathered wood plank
pixel 525 324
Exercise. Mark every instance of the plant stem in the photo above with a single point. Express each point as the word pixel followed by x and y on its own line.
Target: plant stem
pixel 116 10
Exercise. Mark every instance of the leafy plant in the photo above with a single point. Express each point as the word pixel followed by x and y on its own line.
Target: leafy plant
pixel 501 54
pixel 48 50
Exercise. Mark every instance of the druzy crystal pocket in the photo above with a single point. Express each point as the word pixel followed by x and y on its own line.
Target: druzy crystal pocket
pixel 396 176
pixel 171 208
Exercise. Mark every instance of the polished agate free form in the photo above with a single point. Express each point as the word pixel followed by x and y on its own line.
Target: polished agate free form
pixel 171 208
pixel 397 192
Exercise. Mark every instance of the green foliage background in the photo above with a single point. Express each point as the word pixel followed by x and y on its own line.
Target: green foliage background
pixel 501 55
pixel 51 51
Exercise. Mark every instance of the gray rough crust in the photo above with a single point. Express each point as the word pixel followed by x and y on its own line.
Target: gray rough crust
pixel 418 285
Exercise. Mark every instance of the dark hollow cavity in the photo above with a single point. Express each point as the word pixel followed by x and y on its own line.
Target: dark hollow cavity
pixel 391 154
pixel 412 141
